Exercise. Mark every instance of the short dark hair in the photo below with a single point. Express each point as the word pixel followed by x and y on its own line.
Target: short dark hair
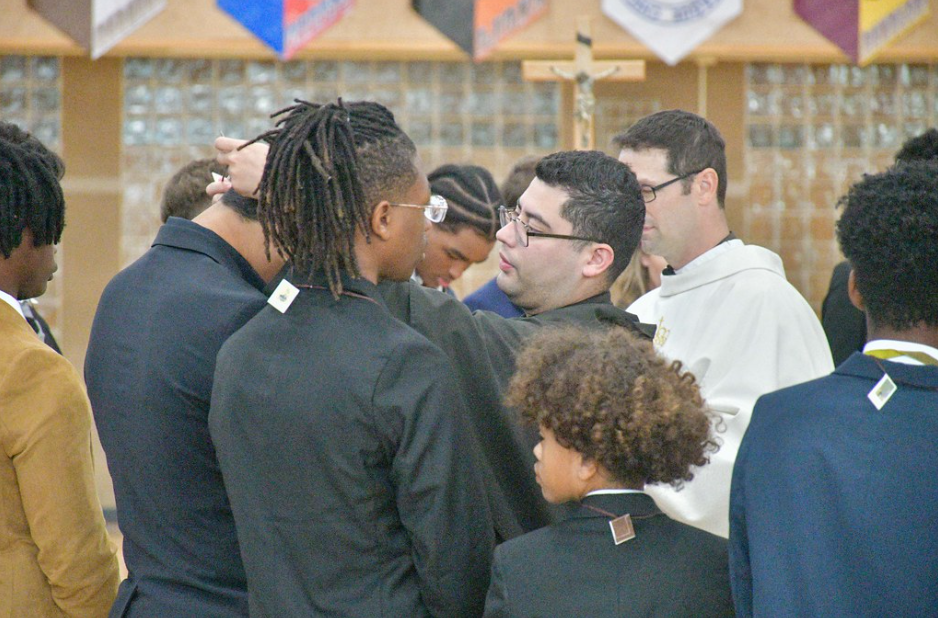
pixel 919 148
pixel 184 194
pixel 605 200
pixel 889 233
pixel 30 194
pixel 244 206
pixel 691 141
pixel 607 395
pixel 472 195
pixel 327 168
pixel 518 179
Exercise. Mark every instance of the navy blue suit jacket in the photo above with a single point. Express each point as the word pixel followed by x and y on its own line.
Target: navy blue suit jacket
pixel 491 298
pixel 149 368
pixel 834 505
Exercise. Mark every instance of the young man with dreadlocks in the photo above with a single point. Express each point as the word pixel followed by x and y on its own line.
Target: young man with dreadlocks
pixel 57 559
pixel 11 133
pixel 571 234
pixel 339 430
pixel 149 367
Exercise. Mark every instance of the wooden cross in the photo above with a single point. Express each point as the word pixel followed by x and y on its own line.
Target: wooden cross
pixel 583 72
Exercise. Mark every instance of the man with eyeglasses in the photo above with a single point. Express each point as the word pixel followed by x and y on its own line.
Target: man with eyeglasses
pixel 572 233
pixel 724 308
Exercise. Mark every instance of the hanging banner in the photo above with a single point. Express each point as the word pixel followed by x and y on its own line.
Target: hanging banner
pixel 286 25
pixel 478 26
pixel 672 28
pixel 97 25
pixel 862 28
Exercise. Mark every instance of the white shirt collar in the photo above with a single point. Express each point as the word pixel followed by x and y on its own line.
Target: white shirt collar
pixel 12 302
pixel 612 492
pixel 901 346
pixel 705 257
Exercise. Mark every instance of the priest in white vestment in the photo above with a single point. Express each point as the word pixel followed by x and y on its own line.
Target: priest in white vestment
pixel 724 308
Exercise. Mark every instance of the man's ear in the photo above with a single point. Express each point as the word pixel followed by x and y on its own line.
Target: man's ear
pixel 853 293
pixel 381 218
pixel 600 259
pixel 706 183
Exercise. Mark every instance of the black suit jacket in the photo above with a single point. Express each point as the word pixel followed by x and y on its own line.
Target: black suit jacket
pixel 482 347
pixel 573 568
pixel 844 324
pixel 340 434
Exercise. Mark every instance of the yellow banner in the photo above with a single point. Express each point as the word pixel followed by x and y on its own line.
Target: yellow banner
pixel 882 21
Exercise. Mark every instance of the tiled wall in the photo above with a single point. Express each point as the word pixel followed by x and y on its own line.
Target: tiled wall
pixel 812 131
pixel 455 112
pixel 30 97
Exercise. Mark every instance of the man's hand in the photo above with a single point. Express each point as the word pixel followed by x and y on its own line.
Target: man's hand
pixel 245 166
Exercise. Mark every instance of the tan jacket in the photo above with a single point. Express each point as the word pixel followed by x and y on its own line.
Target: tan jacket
pixel 55 556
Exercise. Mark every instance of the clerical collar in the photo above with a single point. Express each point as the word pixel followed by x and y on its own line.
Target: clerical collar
pixel 728 243
pixel 8 299
pixel 905 352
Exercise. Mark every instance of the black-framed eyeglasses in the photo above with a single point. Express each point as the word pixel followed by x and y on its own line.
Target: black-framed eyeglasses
pixel 649 193
pixel 524 231
pixel 435 211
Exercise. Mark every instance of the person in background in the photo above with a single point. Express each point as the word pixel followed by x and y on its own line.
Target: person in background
pixel 467 234
pixel 612 416
pixel 184 194
pixel 489 297
pixel 55 555
pixel 834 495
pixel 15 135
pixel 642 275
pixel 844 324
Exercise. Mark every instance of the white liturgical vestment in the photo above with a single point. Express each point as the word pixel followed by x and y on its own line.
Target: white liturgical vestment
pixel 735 322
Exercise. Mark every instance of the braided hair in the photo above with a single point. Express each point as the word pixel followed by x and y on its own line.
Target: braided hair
pixel 30 194
pixel 472 195
pixel 327 167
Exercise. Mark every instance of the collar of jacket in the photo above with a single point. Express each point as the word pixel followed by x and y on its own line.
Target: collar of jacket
pixel 183 234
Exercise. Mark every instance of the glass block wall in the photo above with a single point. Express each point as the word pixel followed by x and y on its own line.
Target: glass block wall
pixel 455 112
pixel 812 131
pixel 30 97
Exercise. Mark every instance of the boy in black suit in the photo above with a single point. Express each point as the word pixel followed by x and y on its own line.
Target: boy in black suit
pixel 613 416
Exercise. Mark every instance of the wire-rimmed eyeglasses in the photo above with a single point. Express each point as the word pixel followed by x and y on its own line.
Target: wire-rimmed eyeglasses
pixel 649 193
pixel 435 211
pixel 524 231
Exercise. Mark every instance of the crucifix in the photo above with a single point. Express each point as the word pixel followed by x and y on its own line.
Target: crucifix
pixel 583 72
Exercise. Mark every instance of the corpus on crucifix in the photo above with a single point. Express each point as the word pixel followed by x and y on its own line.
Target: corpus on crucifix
pixel 584 72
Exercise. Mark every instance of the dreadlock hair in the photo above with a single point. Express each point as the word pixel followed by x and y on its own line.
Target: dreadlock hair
pixel 15 135
pixel 327 167
pixel 472 195
pixel 30 195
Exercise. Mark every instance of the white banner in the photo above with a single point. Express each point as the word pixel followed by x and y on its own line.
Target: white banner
pixel 112 20
pixel 672 28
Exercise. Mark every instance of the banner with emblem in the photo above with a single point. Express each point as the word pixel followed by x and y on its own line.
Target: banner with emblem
pixel 97 25
pixel 286 25
pixel 862 28
pixel 672 28
pixel 478 26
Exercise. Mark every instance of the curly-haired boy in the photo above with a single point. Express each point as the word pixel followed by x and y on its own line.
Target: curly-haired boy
pixel 613 416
